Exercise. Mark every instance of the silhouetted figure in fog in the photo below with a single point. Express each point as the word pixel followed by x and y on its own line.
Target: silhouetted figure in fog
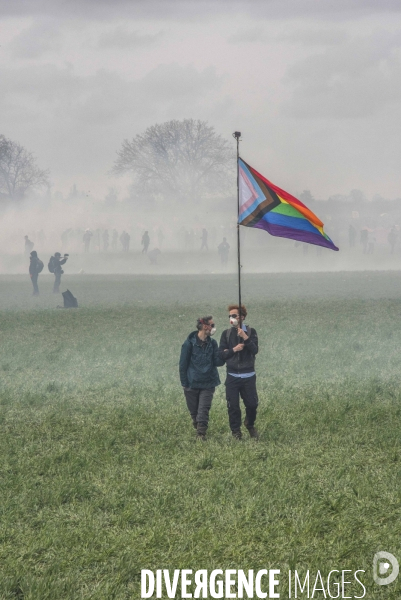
pixel 392 239
pixel 145 242
pixel 105 237
pixel 125 239
pixel 87 239
pixel 28 245
pixel 364 240
pixel 223 250
pixel 351 236
pixel 371 242
pixel 55 264
pixel 204 240
pixel 152 255
pixel 114 238
pixel 35 267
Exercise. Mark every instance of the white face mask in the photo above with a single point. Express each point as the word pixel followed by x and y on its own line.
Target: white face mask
pixel 213 331
pixel 233 322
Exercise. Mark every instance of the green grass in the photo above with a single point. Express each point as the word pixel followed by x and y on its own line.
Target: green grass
pixel 100 473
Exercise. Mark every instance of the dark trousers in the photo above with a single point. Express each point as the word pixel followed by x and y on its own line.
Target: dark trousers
pixel 57 281
pixel 199 403
pixel 245 388
pixel 34 278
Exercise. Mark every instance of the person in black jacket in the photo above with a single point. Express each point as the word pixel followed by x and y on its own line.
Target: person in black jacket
pixel 35 267
pixel 198 372
pixel 145 242
pixel 238 348
pixel 57 262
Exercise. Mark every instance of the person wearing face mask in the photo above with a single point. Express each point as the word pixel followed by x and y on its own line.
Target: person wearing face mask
pixel 198 372
pixel 238 348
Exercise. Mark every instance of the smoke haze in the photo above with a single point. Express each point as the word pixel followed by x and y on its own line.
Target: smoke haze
pixel 314 87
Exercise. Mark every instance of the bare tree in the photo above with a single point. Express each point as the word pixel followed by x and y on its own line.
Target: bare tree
pixel 178 159
pixel 18 170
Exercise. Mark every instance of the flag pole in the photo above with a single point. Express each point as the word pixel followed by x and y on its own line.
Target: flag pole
pixel 237 136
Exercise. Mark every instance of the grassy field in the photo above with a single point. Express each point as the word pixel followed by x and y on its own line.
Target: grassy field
pixel 100 473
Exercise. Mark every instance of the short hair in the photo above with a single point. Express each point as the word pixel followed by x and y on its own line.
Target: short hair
pixel 243 312
pixel 203 321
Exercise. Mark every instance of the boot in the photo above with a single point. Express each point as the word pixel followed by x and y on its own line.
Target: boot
pixel 253 433
pixel 194 423
pixel 237 434
pixel 252 430
pixel 201 432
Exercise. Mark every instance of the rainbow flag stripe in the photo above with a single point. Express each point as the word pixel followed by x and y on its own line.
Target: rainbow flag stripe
pixel 266 206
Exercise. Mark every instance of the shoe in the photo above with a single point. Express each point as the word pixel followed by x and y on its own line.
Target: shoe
pixel 237 434
pixel 201 432
pixel 194 423
pixel 253 433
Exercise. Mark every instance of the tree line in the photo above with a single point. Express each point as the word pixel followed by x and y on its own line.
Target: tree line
pixel 19 172
pixel 177 160
pixel 181 162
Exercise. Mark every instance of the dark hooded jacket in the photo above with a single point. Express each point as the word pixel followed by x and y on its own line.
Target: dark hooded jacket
pixel 198 363
pixel 58 262
pixel 35 265
pixel 239 362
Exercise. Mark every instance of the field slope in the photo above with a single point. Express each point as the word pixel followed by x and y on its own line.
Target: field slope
pixel 100 473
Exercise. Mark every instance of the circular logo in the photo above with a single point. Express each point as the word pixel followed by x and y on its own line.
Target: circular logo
pixel 384 560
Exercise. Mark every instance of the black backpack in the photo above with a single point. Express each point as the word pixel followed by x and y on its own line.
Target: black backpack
pixel 40 265
pixel 69 300
pixel 51 264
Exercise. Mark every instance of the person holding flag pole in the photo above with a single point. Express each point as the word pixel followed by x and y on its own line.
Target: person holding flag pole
pixel 238 348
pixel 263 205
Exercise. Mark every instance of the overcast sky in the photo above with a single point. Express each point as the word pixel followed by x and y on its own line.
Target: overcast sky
pixel 313 85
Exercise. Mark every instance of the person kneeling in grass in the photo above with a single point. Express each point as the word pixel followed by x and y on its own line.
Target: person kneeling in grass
pixel 198 372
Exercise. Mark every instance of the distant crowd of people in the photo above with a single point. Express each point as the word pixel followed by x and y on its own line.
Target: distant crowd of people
pixel 368 238
pixel 56 261
pixel 103 241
